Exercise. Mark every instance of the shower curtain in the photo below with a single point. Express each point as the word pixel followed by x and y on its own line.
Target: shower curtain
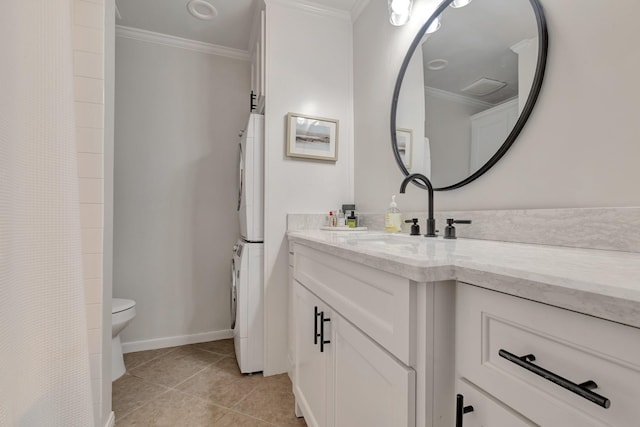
pixel 44 367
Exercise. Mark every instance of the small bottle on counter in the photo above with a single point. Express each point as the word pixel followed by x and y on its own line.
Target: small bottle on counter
pixel 352 220
pixel 393 218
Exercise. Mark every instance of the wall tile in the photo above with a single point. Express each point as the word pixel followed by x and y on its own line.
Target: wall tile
pixel 87 64
pixel 94 316
pixel 92 240
pixel 88 39
pixel 92 291
pixel 89 115
pixel 92 264
pixel 88 14
pixel 90 165
pixel 88 89
pixel 91 190
pixel 95 361
pixel 90 140
pixel 95 341
pixel 88 67
pixel 96 387
pixel 91 214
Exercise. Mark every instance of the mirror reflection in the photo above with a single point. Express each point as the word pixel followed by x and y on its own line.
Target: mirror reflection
pixel 465 87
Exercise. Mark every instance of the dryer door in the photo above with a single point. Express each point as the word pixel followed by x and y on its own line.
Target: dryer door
pixel 234 293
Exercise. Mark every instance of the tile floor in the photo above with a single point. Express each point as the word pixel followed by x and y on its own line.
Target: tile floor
pixel 199 385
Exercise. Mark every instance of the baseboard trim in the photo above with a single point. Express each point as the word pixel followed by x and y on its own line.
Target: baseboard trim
pixel 130 347
pixel 111 421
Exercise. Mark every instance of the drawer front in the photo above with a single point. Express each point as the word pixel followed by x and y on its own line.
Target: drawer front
pixel 487 412
pixel 573 346
pixel 380 304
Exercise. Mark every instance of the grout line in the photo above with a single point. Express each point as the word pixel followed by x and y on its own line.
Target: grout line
pixel 126 414
pixel 167 389
pixel 154 358
pixel 253 417
pixel 189 377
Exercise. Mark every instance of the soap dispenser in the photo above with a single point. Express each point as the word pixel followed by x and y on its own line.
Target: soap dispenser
pixel 393 218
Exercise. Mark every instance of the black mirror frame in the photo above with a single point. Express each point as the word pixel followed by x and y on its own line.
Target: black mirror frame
pixel 543 42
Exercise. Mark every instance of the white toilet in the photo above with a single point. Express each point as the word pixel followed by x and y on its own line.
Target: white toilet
pixel 122 312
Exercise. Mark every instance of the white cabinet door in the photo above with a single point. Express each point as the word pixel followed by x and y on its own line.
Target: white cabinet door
pixel 313 372
pixel 489 130
pixel 372 389
pixel 487 412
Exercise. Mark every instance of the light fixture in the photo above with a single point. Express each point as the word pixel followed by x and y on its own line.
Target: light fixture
pixel 437 64
pixel 435 25
pixel 459 3
pixel 399 11
pixel 202 10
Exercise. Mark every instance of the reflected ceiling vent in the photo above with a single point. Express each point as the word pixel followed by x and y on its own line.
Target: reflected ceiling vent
pixel 202 10
pixel 483 86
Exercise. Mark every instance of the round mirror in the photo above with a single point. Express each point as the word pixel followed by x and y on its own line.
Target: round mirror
pixel 466 88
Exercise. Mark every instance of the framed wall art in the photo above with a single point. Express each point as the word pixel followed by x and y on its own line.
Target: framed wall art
pixel 311 137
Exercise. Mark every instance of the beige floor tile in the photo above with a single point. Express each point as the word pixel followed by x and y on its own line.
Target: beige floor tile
pixel 272 400
pixel 172 409
pixel 225 347
pixel 233 419
pixel 176 366
pixel 130 392
pixel 133 360
pixel 221 383
pixel 229 365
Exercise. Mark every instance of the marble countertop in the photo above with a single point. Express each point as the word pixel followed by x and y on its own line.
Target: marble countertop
pixel 600 283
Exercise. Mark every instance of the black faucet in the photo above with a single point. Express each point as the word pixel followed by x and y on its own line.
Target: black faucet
pixel 431 222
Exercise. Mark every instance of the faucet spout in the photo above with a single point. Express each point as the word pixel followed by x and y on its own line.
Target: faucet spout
pixel 431 222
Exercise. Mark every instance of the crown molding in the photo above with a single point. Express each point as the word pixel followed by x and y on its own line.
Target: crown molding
pixel 454 97
pixel 312 7
pixel 180 43
pixel 358 8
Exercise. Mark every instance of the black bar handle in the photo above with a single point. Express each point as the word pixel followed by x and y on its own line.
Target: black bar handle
pixel 461 409
pixel 322 340
pixel 583 389
pixel 316 335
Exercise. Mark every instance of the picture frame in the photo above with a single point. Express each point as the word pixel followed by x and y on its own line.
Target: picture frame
pixel 404 137
pixel 311 137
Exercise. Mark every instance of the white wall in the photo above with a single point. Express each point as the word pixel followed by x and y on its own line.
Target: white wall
pixel 410 113
pixel 178 115
pixel 449 131
pixel 580 147
pixel 308 71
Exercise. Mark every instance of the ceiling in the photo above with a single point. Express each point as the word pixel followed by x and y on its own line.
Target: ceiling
pixel 231 28
pixel 476 42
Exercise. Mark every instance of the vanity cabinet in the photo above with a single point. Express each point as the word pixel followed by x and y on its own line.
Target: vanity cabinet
pixel 351 344
pixel 343 378
pixel 486 411
pixel 527 356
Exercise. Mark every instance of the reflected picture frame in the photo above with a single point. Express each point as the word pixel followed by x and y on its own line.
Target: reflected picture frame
pixel 312 137
pixel 404 139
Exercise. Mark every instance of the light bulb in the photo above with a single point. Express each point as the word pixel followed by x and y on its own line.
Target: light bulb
pixel 435 26
pixel 459 3
pixel 399 11
pixel 400 7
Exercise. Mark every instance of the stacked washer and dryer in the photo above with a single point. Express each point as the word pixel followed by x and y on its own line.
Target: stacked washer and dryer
pixel 247 265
